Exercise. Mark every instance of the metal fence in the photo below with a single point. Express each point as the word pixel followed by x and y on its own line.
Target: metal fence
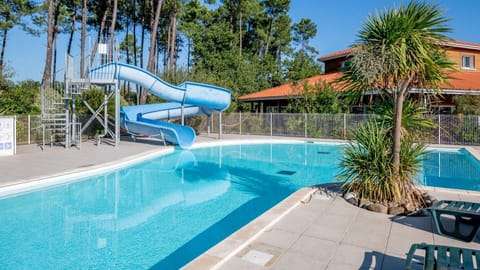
pixel 449 129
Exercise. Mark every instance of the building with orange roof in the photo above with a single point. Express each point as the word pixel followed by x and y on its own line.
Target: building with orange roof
pixel 466 81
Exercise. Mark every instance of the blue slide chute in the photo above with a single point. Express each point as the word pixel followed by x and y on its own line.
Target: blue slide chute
pixel 188 98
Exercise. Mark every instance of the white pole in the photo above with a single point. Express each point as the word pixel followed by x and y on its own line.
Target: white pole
pixel 117 113
pixel 209 122
pixel 28 129
pixel 271 124
pixel 220 125
pixel 439 134
pixel 240 118
pixel 306 132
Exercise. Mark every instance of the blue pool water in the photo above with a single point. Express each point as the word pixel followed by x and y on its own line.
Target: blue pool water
pixel 164 212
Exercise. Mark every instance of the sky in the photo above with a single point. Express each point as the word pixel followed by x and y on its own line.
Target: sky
pixel 338 23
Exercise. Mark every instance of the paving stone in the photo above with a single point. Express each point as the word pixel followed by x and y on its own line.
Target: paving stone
pixel 317 249
pixel 297 260
pixel 357 257
pixel 236 263
pixel 279 238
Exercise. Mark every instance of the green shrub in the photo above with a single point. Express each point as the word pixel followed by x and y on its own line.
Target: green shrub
pixel 367 167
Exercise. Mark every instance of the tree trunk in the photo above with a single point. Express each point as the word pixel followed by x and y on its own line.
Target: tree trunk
pixel 143 93
pixel 47 71
pixel 166 62
pixel 112 29
pixel 188 56
pixel 72 31
pixel 99 34
pixel 397 125
pixel 268 36
pixel 2 53
pixel 142 38
pixel 396 132
pixel 173 40
pixel 83 37
pixel 55 32
pixel 135 56
pixel 153 38
pixel 134 35
pixel 127 44
pixel 240 33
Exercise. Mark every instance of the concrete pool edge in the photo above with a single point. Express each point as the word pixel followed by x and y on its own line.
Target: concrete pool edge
pixel 220 253
pixel 44 181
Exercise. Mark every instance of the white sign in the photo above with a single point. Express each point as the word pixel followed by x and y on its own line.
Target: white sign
pixel 102 48
pixel 7 136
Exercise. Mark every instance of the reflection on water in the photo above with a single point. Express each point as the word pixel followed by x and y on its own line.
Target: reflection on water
pixel 79 224
pixel 454 169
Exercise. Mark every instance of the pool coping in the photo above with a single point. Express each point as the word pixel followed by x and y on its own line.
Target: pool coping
pixel 30 184
pixel 226 249
pixel 217 255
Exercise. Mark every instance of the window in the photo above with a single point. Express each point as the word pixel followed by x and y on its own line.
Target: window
pixel 468 62
pixel 442 109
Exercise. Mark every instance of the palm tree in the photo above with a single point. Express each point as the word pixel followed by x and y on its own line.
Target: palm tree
pixel 397 50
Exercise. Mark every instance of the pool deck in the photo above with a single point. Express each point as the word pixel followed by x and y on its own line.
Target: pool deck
pixel 311 229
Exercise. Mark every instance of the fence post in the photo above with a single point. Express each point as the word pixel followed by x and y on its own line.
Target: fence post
pixel 209 123
pixel 271 124
pixel 439 133
pixel 240 118
pixel 306 132
pixel 220 126
pixel 344 126
pixel 28 128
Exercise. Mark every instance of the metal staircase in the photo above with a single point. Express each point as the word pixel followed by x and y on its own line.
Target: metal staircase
pixel 60 122
pixel 56 118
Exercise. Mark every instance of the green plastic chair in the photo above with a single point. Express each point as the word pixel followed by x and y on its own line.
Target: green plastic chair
pixel 445 257
pixel 464 212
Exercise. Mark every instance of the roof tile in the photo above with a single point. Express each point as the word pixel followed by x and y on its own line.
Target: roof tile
pixel 286 90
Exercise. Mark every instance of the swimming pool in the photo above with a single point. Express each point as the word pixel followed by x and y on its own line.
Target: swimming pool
pixel 162 213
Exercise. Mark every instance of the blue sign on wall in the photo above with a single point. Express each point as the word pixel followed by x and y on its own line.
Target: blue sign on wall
pixel 7 136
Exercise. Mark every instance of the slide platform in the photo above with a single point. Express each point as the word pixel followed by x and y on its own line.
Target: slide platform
pixel 195 98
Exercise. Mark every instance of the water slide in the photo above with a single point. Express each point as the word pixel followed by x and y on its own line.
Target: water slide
pixel 188 98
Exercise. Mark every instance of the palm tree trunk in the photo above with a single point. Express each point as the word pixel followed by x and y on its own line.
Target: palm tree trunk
pixel 397 124
pixel 397 128
pixel 47 71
